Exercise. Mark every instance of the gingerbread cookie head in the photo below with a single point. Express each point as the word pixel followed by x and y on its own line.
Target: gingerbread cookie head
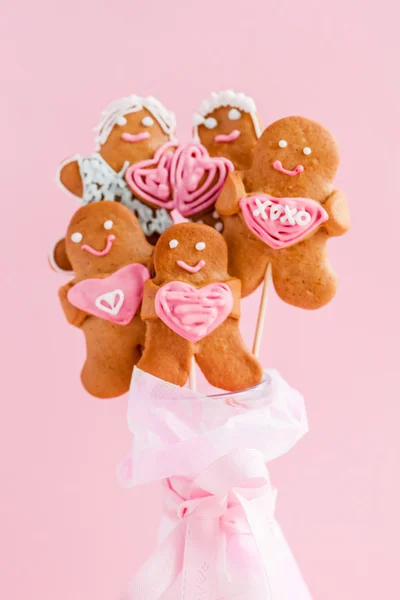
pixel 132 129
pixel 294 157
pixel 191 252
pixel 228 125
pixel 104 236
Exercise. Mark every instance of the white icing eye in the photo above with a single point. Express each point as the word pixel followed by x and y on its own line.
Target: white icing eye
pixel 307 150
pixel 200 246
pixel 211 123
pixel 76 237
pixel 108 224
pixel 218 226
pixel 147 121
pixel 234 114
pixel 282 143
pixel 121 121
pixel 173 243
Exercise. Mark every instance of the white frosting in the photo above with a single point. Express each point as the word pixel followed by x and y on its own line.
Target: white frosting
pixel 147 121
pixel 282 143
pixel 108 224
pixel 76 237
pixel 291 215
pixel 173 243
pixel 226 98
pixel 110 302
pixel 101 182
pixel 200 246
pixel 234 114
pixel 115 112
pixel 210 123
pixel 219 226
pixel 307 151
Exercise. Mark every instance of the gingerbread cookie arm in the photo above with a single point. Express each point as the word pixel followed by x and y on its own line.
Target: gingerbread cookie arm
pixel 74 315
pixel 69 176
pixel 235 286
pixel 233 190
pixel 337 207
pixel 148 304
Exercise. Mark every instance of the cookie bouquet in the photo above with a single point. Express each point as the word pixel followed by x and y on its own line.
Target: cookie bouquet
pixel 169 238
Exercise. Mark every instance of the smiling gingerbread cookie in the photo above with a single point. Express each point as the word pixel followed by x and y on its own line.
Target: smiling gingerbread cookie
pixel 111 258
pixel 283 210
pixel 227 126
pixel 192 308
pixel 131 130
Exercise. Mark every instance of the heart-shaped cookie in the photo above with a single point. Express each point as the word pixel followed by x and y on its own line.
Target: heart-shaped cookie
pixel 197 178
pixel 115 298
pixel 193 313
pixel 281 222
pixel 150 181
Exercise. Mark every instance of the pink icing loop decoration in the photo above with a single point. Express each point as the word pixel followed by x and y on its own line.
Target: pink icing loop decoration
pixel 197 178
pixel 188 268
pixel 115 298
pixel 107 248
pixel 150 179
pixel 135 137
pixel 231 137
pixel 281 222
pixel 193 313
pixel 279 167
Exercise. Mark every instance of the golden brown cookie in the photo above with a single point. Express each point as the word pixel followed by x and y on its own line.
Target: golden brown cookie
pixel 111 260
pixel 283 210
pixel 192 308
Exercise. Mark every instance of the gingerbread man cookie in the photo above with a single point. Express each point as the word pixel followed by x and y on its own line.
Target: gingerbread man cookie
pixel 131 130
pixel 228 126
pixel 192 308
pixel 283 210
pixel 111 258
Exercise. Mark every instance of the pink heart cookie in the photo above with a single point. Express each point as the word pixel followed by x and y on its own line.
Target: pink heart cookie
pixel 190 165
pixel 115 298
pixel 281 222
pixel 150 179
pixel 193 313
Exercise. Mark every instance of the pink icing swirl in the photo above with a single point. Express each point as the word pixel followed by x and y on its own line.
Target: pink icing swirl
pixel 193 313
pixel 281 222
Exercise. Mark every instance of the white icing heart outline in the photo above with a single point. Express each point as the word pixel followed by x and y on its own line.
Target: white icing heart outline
pixel 114 310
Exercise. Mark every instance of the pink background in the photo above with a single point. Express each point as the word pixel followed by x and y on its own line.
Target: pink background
pixel 67 530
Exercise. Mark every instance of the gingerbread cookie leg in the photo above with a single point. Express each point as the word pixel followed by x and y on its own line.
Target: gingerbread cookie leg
pixel 248 258
pixel 112 351
pixel 166 354
pixel 302 275
pixel 224 359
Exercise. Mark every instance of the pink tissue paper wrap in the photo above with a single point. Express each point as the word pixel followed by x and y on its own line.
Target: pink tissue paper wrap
pixel 219 539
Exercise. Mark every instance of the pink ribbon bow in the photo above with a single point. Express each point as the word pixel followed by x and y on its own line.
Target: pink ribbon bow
pixel 233 495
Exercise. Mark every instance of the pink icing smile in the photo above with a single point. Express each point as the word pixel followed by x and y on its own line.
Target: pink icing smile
pixel 135 137
pixel 231 137
pixel 110 240
pixel 279 167
pixel 188 268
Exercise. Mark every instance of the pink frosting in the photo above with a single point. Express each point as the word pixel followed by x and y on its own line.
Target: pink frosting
pixel 281 222
pixel 106 250
pixel 135 137
pixel 193 313
pixel 115 298
pixel 191 164
pixel 188 268
pixel 279 167
pixel 150 179
pixel 231 137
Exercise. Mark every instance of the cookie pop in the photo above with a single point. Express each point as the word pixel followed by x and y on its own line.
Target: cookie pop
pixel 111 258
pixel 192 308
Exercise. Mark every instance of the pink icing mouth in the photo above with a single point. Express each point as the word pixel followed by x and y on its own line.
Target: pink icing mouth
pixel 110 240
pixel 188 268
pixel 231 137
pixel 135 137
pixel 279 167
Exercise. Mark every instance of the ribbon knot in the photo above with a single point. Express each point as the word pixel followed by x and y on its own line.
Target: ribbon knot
pixel 233 494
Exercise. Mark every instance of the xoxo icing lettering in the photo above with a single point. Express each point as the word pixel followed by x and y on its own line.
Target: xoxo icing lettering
pixel 193 313
pixel 115 298
pixel 281 222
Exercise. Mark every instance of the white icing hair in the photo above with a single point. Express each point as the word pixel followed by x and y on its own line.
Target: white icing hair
pixel 226 98
pixel 115 112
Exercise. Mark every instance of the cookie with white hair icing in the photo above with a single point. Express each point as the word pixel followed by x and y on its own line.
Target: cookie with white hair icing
pixel 228 126
pixel 131 130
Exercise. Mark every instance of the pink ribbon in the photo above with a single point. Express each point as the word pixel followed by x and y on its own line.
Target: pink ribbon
pixel 233 494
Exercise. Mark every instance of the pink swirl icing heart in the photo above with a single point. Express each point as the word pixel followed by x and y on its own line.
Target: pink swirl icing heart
pixel 115 298
pixel 193 313
pixel 150 179
pixel 281 222
pixel 197 178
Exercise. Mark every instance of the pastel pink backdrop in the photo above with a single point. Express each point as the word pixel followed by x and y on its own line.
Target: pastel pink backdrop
pixel 67 530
